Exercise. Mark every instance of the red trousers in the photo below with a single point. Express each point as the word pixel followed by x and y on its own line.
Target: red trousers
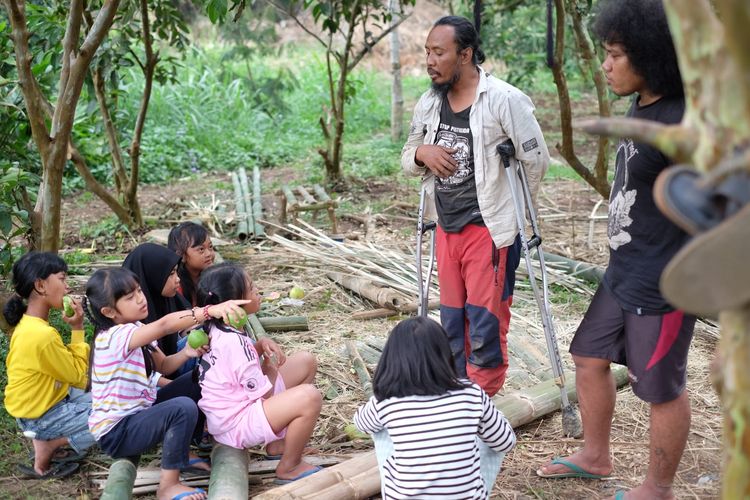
pixel 476 291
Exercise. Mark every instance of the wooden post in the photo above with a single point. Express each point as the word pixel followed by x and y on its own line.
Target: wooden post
pixel 120 481
pixel 228 473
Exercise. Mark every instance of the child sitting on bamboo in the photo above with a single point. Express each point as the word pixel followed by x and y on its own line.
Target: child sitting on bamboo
pixel 251 393
pixel 436 436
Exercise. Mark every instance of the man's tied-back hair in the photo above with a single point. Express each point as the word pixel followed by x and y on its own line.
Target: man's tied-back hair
pixel 641 27
pixel 465 35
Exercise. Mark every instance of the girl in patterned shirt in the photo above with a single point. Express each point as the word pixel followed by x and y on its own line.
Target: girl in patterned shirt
pixel 436 436
pixel 128 417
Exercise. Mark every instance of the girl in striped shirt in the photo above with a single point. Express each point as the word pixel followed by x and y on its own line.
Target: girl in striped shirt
pixel 127 416
pixel 437 436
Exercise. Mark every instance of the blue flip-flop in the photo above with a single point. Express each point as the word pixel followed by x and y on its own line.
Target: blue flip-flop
pixel 272 457
pixel 191 469
pixel 620 495
pixel 185 494
pixel 575 471
pixel 309 472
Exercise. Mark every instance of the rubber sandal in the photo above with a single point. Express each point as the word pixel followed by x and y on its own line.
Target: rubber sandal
pixel 185 494
pixel 308 472
pixel 56 471
pixel 710 273
pixel 575 471
pixel 620 495
pixel 69 455
pixel 687 199
pixel 191 469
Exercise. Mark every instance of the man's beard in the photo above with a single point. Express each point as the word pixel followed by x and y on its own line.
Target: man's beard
pixel 443 88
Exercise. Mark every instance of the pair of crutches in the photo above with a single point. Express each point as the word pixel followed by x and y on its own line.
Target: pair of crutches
pixel 571 422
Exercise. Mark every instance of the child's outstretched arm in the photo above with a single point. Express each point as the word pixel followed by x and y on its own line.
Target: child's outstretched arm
pixel 181 320
pixel 494 428
pixel 170 364
pixel 366 418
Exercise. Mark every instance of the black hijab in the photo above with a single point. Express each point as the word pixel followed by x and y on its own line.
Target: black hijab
pixel 153 264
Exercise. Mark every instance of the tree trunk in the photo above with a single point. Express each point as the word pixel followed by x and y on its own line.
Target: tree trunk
pixel 397 92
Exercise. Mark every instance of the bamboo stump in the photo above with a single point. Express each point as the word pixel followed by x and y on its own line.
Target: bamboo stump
pixel 228 473
pixel 120 480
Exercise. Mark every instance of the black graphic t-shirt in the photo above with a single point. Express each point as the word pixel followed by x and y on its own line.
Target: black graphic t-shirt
pixel 456 196
pixel 641 239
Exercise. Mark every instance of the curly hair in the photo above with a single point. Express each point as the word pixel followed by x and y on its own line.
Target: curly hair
pixel 640 26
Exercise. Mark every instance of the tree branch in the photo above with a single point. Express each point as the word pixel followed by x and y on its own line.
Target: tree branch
pixel 70 45
pixel 368 46
pixel 288 12
pixel 675 141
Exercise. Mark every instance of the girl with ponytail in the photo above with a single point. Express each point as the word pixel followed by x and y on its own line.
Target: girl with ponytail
pixel 46 378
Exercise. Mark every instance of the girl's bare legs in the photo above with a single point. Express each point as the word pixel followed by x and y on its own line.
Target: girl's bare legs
pixel 170 486
pixel 296 409
pixel 300 368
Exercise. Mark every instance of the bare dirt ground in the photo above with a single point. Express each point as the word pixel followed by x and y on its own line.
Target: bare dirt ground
pixel 565 208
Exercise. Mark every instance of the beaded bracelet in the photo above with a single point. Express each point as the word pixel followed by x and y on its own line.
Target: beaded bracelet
pixel 206 316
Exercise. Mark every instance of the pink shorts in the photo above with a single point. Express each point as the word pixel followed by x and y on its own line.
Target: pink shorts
pixel 253 429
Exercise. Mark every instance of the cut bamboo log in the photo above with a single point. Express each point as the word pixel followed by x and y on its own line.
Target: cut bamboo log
pixel 370 355
pixel 260 231
pixel 385 312
pixel 120 481
pixel 256 326
pixel 360 368
pixel 384 297
pixel 359 477
pixel 239 203
pixel 319 481
pixel 284 323
pixel 589 272
pixel 247 200
pixel 228 473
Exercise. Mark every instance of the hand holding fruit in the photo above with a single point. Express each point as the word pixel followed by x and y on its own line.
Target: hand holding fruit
pixel 270 350
pixel 72 312
pixel 228 311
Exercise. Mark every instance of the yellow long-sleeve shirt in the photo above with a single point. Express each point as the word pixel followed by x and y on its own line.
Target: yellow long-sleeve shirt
pixel 41 368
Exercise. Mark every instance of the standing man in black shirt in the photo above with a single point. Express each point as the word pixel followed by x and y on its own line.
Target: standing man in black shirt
pixel 452 144
pixel 629 321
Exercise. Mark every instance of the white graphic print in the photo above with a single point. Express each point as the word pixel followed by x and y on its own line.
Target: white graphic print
pixel 461 155
pixel 622 201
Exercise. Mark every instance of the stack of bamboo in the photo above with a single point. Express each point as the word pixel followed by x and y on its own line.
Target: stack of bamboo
pixel 249 210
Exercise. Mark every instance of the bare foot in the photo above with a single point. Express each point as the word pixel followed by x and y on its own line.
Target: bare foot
pixel 600 467
pixel 294 471
pixel 43 451
pixel 172 491
pixel 275 448
pixel 647 492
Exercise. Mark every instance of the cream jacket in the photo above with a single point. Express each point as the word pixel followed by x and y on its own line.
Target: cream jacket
pixel 499 112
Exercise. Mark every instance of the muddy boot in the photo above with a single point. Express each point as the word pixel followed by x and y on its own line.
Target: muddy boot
pixel 710 273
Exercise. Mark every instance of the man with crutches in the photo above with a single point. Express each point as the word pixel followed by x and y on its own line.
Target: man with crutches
pixel 455 130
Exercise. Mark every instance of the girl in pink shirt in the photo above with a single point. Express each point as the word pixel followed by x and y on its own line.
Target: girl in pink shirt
pixel 251 393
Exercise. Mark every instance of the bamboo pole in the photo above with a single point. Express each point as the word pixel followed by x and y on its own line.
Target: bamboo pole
pixel 228 473
pixel 120 481
pixel 256 326
pixel 260 231
pixel 384 297
pixel 359 477
pixel 239 203
pixel 589 272
pixel 360 368
pixel 284 323
pixel 246 199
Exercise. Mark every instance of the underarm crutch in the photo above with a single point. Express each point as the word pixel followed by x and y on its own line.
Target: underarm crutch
pixel 423 227
pixel 571 422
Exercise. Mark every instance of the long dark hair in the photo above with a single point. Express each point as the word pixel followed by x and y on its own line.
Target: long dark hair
pixel 642 29
pixel 465 35
pixel 103 289
pixel 152 265
pixel 416 361
pixel 219 283
pixel 29 268
pixel 182 237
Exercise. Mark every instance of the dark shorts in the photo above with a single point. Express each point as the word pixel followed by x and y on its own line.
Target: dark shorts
pixel 653 347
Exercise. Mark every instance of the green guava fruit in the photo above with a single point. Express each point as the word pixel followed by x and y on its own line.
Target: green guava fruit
pixel 68 309
pixel 197 338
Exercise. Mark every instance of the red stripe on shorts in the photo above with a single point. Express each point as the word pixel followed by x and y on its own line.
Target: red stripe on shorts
pixel 670 328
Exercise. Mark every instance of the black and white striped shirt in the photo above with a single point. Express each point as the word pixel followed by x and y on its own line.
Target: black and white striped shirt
pixel 436 454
